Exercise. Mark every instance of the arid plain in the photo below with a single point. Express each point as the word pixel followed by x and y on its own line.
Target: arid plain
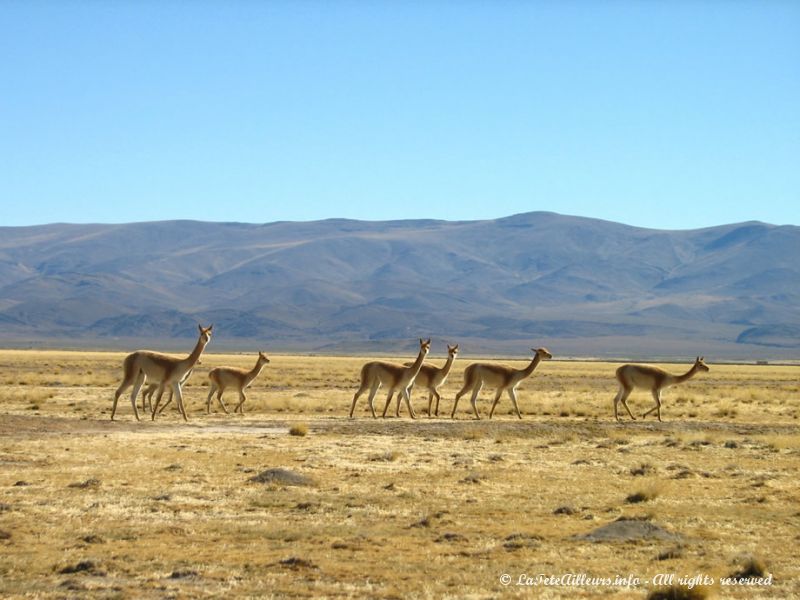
pixel 392 508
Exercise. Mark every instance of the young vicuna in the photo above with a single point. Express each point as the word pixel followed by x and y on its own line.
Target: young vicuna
pixel 147 394
pixel 650 378
pixel 505 379
pixel 431 378
pixel 223 378
pixel 169 370
pixel 397 378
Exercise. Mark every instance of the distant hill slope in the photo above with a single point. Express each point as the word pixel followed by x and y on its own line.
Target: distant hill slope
pixel 591 287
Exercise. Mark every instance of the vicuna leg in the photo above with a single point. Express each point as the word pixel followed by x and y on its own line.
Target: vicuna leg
pixel 158 400
pixel 497 395
pixel 438 397
pixel 147 397
pixel 622 396
pixel 167 403
pixel 513 395
pixel 657 398
pixel 129 374
pixel 371 399
pixel 210 394
pixel 430 404
pixel 397 409
pixel 221 403
pixel 467 386
pixel 176 387
pixel 407 397
pixel 120 390
pixel 400 399
pixel 137 385
pixel 474 400
pixel 218 389
pixel 364 387
pixel 388 402
pixel 240 407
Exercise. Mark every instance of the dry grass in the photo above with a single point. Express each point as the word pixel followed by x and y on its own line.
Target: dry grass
pixel 397 508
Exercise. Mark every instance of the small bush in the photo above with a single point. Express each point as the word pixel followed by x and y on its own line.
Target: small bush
pixel 92 483
pixel 751 567
pixel 474 435
pixel 473 478
pixel 389 456
pixel 645 495
pixel 671 554
pixel 679 592
pixel 280 476
pixel 643 469
pixel 301 429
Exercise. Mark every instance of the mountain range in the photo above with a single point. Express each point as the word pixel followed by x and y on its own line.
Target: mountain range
pixel 579 286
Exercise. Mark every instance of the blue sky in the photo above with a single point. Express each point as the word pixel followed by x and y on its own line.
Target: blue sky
pixel 671 114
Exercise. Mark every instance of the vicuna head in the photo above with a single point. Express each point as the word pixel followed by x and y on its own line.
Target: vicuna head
pixel 452 350
pixel 542 353
pixel 700 365
pixel 424 345
pixel 205 333
pixel 262 359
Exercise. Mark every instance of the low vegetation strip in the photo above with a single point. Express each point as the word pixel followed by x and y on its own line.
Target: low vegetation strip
pixel 167 509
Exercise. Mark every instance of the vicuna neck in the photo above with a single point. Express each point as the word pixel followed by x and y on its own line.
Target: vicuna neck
pixel 192 359
pixel 446 368
pixel 529 369
pixel 253 373
pixel 418 363
pixel 688 375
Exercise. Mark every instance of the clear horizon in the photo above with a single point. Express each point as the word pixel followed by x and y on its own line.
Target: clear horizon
pixel 659 115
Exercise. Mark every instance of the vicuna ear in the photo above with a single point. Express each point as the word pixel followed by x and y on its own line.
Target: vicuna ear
pixel 200 327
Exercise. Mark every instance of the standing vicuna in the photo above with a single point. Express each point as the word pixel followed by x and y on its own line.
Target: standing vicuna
pixel 431 378
pixel 505 379
pixel 650 378
pixel 169 370
pixel 395 377
pixel 223 378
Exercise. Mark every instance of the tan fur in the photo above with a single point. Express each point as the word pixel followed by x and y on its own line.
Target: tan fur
pixel 504 379
pixel 394 377
pixel 223 378
pixel 169 370
pixel 432 378
pixel 650 378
